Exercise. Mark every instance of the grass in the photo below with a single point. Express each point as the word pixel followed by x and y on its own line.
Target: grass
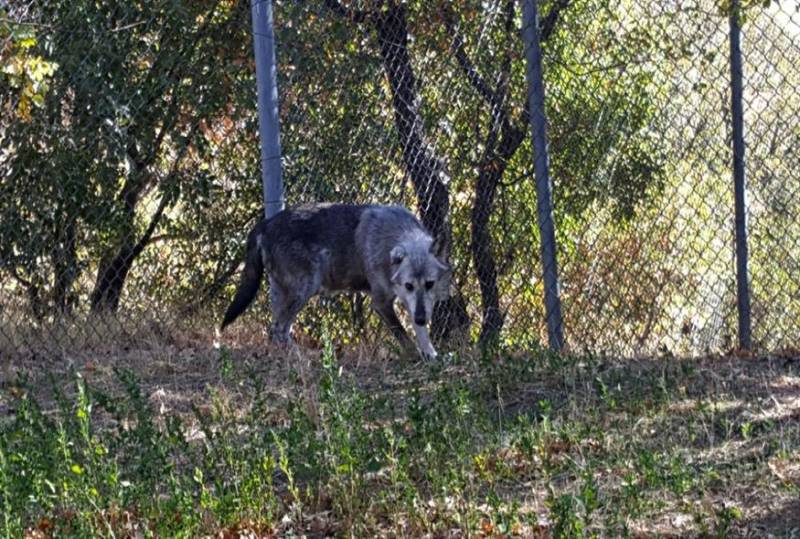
pixel 185 442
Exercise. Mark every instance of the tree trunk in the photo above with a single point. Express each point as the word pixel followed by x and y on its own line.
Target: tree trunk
pixel 114 267
pixel 421 162
pixel 502 141
pixel 111 279
pixel 491 172
pixel 65 268
pixel 424 168
pixel 113 271
pixel 480 246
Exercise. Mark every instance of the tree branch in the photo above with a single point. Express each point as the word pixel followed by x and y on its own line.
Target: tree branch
pixel 138 180
pixel 505 69
pixel 548 24
pixel 144 241
pixel 467 66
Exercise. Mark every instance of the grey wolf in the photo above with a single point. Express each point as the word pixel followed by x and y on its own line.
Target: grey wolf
pixel 324 248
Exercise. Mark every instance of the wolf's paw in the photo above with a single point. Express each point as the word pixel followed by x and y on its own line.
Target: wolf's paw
pixel 428 355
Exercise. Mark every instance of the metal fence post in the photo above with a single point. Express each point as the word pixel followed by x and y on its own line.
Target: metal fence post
pixel 544 202
pixel 268 121
pixel 737 119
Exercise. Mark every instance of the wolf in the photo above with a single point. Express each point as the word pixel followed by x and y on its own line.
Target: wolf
pixel 327 248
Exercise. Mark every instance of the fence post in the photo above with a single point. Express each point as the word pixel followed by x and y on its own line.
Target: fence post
pixel 268 121
pixel 737 119
pixel 544 202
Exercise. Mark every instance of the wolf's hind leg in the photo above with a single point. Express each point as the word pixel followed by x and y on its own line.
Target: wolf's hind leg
pixel 284 315
pixel 289 298
pixel 286 304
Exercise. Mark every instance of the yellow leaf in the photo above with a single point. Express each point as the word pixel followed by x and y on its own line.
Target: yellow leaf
pixel 24 108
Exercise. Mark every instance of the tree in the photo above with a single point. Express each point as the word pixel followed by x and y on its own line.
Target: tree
pixel 116 137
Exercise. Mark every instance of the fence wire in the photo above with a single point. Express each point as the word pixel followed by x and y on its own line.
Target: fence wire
pixel 129 164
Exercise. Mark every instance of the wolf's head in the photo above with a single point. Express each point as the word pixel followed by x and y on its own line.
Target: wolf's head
pixel 419 278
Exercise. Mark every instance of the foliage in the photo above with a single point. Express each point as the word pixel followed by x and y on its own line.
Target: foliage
pixel 24 72
pixel 117 133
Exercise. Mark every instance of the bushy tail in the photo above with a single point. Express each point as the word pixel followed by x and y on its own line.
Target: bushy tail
pixel 249 284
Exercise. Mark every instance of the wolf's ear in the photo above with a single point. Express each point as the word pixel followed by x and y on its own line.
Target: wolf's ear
pixel 442 289
pixel 441 266
pixel 437 246
pixel 397 255
pixel 445 269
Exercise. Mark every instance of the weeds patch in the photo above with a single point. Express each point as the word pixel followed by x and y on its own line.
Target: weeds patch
pixel 510 445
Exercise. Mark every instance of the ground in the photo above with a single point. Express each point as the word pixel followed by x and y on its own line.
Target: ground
pixel 185 439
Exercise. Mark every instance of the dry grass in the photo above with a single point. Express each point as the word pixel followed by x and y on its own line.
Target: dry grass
pixel 664 447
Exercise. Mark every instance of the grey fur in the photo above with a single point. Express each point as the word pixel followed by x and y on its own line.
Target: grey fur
pixel 382 250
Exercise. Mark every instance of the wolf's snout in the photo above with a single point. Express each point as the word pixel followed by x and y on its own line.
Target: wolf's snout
pixel 419 313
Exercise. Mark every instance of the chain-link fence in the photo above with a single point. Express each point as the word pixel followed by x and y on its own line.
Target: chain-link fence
pixel 129 163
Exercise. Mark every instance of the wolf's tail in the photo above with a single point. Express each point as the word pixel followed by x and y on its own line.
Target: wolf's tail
pixel 250 281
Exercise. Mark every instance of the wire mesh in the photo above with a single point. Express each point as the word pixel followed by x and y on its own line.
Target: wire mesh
pixel 129 163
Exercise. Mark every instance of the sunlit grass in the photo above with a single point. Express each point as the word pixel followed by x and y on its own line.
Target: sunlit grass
pixel 513 444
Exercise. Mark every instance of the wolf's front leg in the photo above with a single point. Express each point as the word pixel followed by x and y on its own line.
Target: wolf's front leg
pixel 385 309
pixel 424 341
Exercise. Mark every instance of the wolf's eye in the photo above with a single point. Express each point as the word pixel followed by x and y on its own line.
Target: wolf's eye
pixel 409 287
pixel 429 284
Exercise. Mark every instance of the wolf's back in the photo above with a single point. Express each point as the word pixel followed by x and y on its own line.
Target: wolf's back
pixel 251 278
